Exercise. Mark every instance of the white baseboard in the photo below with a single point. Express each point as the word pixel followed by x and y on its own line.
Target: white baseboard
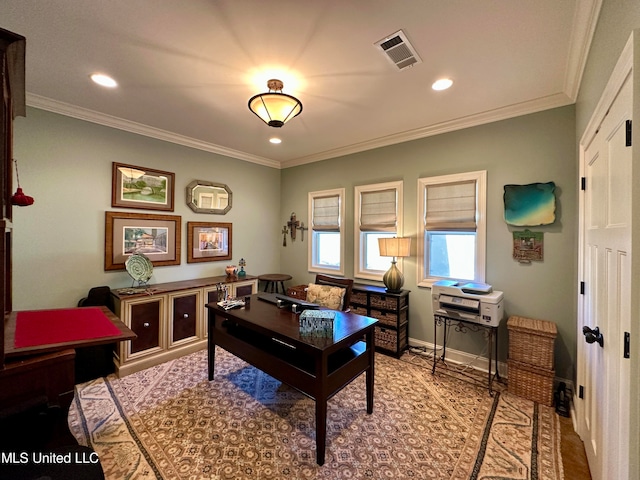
pixel 479 363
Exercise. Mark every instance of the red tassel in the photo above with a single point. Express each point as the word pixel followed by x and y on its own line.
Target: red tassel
pixel 20 199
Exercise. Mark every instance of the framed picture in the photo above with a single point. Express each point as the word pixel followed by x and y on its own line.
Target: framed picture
pixel 157 236
pixel 141 187
pixel 208 242
pixel 528 246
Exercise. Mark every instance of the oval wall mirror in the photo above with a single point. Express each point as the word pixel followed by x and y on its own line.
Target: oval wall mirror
pixel 209 197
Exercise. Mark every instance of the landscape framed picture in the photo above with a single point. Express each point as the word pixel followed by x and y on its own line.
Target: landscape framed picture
pixel 156 236
pixel 142 187
pixel 208 241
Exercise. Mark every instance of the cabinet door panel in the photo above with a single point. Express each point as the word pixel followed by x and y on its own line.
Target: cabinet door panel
pixel 213 296
pixel 244 290
pixel 145 321
pixel 184 317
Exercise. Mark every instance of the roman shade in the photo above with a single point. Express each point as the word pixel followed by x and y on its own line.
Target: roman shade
pixel 378 211
pixel 451 206
pixel 326 214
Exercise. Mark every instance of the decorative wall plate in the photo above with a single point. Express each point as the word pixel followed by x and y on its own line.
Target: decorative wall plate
pixel 139 267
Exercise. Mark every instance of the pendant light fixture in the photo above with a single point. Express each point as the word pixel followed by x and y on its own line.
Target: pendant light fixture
pixel 274 107
pixel 19 198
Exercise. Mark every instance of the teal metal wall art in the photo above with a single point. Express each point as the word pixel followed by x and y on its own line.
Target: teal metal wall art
pixel 530 205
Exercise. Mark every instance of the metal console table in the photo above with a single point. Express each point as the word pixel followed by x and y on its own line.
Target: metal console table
pixel 490 332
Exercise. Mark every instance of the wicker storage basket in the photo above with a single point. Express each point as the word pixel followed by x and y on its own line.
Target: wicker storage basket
pixel 532 383
pixel 359 297
pixel 531 341
pixel 298 291
pixel 390 303
pixel 388 318
pixel 358 310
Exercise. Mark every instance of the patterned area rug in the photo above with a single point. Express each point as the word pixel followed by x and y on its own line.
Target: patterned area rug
pixel 170 422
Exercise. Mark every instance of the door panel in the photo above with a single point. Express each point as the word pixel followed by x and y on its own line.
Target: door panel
pixel 606 228
pixel 184 317
pixel 145 322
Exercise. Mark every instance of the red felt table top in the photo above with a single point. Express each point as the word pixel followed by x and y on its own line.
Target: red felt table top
pixel 44 327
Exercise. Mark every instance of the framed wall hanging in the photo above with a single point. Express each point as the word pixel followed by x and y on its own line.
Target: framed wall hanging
pixel 208 241
pixel 528 246
pixel 141 187
pixel 530 205
pixel 156 236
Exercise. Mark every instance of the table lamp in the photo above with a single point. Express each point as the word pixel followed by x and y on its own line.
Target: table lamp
pixel 394 247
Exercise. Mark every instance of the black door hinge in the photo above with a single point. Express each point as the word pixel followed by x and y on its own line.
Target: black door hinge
pixel 627 346
pixel 628 131
pixel 583 183
pixel 580 391
pixel 581 288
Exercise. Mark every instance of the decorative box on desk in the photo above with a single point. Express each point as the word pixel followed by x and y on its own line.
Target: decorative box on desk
pixel 392 312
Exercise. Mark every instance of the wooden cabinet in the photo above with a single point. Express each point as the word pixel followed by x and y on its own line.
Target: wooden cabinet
pixel 169 318
pixel 392 312
pixel 12 74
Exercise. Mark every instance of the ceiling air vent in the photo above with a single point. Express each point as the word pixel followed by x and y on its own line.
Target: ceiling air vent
pixel 398 50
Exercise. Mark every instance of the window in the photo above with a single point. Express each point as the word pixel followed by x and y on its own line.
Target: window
pixel 326 246
pixel 378 213
pixel 452 215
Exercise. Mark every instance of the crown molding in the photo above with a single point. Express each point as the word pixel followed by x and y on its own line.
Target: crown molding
pixel 585 20
pixel 92 116
pixel 510 111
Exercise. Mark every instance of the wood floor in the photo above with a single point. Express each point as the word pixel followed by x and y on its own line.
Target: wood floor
pixel 574 458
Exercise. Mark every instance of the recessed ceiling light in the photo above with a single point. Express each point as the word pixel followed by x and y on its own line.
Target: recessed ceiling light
pixel 275 140
pixel 442 84
pixel 104 80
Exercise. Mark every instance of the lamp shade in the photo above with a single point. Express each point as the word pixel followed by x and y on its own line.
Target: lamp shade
pixel 394 247
pixel 275 108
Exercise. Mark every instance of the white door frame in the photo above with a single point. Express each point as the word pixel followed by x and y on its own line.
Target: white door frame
pixel 623 69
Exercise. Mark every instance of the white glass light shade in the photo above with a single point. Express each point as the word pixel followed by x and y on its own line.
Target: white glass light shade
pixel 275 108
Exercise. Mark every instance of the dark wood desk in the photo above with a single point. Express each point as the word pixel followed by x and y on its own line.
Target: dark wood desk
pixel 269 339
pixel 42 376
pixel 10 350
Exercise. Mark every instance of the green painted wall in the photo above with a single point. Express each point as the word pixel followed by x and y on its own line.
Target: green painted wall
pixel 65 164
pixel 533 148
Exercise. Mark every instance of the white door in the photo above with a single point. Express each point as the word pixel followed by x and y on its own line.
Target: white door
pixel 605 226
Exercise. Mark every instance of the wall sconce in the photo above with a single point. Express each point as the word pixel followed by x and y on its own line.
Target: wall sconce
pixel 394 247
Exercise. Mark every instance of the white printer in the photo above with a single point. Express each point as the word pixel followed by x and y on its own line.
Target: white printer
pixel 468 301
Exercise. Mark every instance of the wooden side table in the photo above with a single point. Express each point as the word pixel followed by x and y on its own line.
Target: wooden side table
pixel 272 280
